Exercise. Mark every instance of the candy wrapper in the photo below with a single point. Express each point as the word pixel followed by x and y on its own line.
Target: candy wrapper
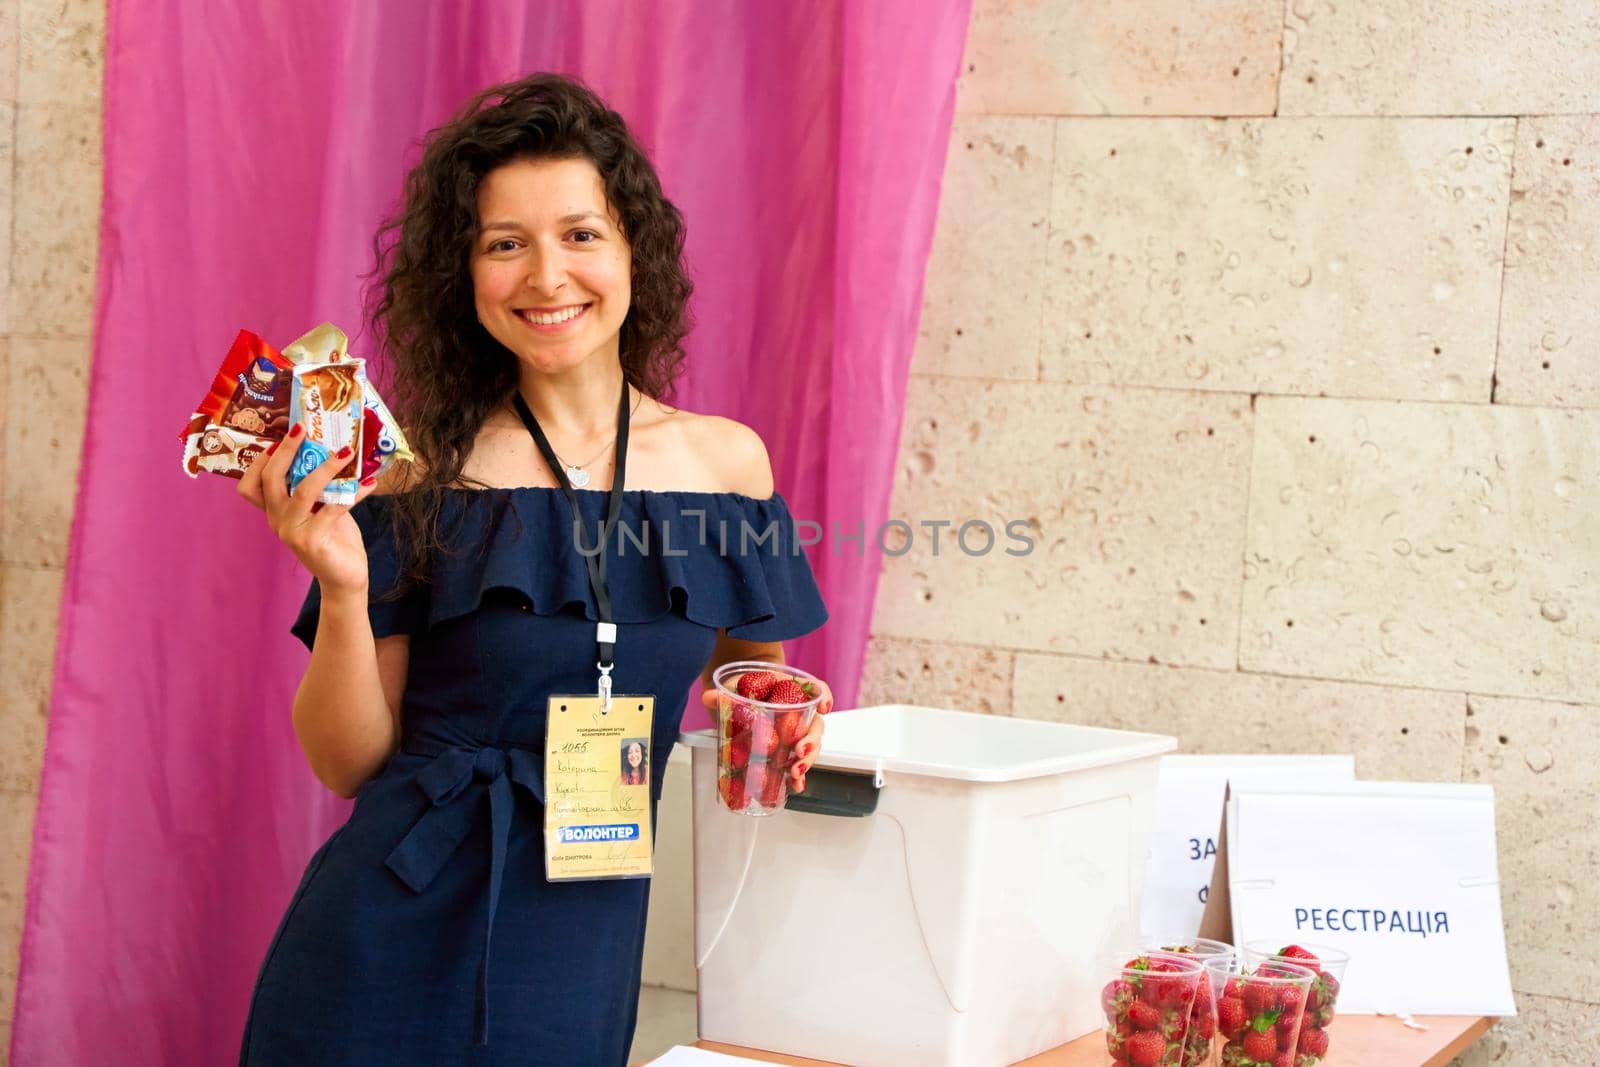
pixel 328 398
pixel 258 393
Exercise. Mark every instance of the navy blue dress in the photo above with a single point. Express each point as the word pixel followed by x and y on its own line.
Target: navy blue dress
pixel 423 931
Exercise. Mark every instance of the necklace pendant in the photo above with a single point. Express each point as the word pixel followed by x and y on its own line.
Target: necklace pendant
pixel 577 476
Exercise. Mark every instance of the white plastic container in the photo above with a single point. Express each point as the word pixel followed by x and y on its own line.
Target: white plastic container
pixel 958 924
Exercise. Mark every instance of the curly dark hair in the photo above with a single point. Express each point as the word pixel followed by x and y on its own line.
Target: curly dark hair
pixel 444 374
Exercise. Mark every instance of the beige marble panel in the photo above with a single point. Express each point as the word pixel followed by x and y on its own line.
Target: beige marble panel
pixel 1135 500
pixel 980 305
pixel 10 30
pixel 936 674
pixel 1397 734
pixel 1440 57
pixel 16 842
pixel 1450 546
pixel 1155 57
pixel 1549 314
pixel 1345 257
pixel 55 230
pixel 1540 757
pixel 8 124
pixel 29 605
pixel 42 451
pixel 5 381
pixel 1547 1032
pixel 63 50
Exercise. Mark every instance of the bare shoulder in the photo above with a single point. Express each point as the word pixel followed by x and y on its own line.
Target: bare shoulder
pixel 731 456
pixel 741 455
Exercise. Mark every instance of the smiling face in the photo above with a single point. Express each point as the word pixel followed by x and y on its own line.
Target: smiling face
pixel 551 270
pixel 635 754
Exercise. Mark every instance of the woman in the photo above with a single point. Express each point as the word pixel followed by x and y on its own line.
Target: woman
pixel 533 304
pixel 633 763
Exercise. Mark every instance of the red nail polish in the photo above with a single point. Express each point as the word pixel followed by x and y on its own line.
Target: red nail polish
pixel 294 431
pixel 370 479
pixel 273 447
pixel 346 452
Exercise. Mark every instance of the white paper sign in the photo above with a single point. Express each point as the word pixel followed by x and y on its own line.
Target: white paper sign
pixel 1183 846
pixel 1403 876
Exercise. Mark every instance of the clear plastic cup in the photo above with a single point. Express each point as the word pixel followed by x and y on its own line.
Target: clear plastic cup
pixel 756 738
pixel 1149 1006
pixel 1200 1047
pixel 1259 1009
pixel 1327 964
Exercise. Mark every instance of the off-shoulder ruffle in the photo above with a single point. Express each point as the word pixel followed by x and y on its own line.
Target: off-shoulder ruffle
pixel 730 561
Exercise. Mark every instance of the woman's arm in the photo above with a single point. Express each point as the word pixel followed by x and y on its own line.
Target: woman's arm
pixel 347 710
pixel 732 650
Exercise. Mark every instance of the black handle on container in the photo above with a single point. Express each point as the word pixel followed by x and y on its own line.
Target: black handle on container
pixel 841 793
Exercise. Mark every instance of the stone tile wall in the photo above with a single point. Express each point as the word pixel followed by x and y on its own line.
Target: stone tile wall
pixel 1277 322
pixel 51 61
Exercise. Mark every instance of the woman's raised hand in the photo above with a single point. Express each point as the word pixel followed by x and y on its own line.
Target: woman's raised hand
pixel 324 537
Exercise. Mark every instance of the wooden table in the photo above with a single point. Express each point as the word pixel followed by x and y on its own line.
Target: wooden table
pixel 1357 1041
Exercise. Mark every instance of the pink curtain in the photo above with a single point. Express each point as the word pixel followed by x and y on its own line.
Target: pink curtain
pixel 250 152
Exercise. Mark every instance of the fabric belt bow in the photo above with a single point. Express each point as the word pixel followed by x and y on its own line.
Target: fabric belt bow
pixel 454 781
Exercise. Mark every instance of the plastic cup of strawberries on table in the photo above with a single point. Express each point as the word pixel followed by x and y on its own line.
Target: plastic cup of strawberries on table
pixel 1260 1008
pixel 1197 1047
pixel 1149 1008
pixel 763 710
pixel 1327 966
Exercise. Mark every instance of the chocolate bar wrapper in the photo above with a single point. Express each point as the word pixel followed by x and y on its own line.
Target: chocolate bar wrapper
pixel 326 400
pixel 385 443
pixel 322 344
pixel 249 397
pixel 221 450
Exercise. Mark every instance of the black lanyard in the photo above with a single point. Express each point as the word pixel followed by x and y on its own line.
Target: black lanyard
pixel 606 630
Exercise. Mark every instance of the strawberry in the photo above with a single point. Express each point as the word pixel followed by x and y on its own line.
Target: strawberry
pixel 1165 989
pixel 1313 1042
pixel 1116 997
pixel 1146 1049
pixel 1258 998
pixel 772 787
pixel 738 752
pixel 1288 1027
pixel 741 718
pixel 790 729
pixel 1261 1046
pixel 1231 1016
pixel 1144 1016
pixel 757 684
pixel 764 737
pixel 1320 999
pixel 1305 957
pixel 787 691
pixel 1206 1024
pixel 1291 999
pixel 1117 1039
pixel 1234 988
pixel 1283 1059
pixel 732 790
